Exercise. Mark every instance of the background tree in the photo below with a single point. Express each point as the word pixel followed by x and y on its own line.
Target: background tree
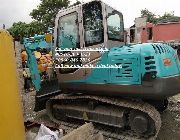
pixel 47 11
pixel 168 17
pixel 35 27
pixel 18 30
pixel 44 17
pixel 21 29
pixel 151 17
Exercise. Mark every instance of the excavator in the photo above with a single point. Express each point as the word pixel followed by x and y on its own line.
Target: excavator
pixel 101 79
pixel 37 53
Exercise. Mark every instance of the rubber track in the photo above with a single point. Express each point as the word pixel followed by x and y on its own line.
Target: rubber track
pixel 137 105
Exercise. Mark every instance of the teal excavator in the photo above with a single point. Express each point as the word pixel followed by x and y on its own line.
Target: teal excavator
pixel 101 79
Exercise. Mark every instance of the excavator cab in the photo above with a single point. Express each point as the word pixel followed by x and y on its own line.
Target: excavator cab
pixel 89 25
pixel 82 35
pixel 93 26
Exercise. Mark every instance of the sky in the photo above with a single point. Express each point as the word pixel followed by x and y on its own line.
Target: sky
pixel 18 10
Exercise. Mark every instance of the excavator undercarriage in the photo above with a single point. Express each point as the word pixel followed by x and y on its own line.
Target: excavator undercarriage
pixel 139 118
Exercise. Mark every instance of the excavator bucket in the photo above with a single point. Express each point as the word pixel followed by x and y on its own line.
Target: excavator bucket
pixel 40 51
pixel 48 90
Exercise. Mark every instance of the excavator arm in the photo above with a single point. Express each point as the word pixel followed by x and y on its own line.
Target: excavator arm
pixel 32 63
pixel 32 44
pixel 47 88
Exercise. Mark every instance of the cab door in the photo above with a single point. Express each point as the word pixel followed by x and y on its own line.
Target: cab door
pixel 94 35
pixel 69 36
pixel 66 36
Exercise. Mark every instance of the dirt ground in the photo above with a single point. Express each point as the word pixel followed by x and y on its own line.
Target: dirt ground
pixel 170 129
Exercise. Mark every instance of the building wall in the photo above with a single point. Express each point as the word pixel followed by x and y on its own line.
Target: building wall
pixel 166 32
pixel 139 24
pixel 144 33
pixel 160 32
pixel 127 35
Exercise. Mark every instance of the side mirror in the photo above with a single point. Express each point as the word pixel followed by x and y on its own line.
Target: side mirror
pixel 48 37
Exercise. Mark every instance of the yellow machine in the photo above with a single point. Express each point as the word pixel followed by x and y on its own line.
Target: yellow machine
pixel 11 118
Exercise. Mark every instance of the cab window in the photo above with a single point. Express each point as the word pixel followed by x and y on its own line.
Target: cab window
pixel 115 24
pixel 93 23
pixel 68 36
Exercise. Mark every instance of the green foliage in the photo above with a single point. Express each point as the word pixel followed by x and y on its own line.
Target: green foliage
pixel 167 15
pixel 47 11
pixel 21 29
pixel 151 17
pixel 44 17
pixel 18 30
pixel 36 27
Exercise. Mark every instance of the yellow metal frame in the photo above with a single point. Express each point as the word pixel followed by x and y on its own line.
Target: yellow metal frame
pixel 11 117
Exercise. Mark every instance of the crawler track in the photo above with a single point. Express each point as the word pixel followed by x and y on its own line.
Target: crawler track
pixel 109 132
